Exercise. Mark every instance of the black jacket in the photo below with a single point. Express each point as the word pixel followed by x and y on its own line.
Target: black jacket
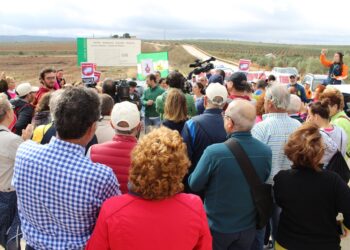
pixel 24 112
pixel 297 117
pixel 135 98
pixel 310 202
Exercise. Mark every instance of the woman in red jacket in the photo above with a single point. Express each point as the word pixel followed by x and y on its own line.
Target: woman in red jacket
pixel 154 215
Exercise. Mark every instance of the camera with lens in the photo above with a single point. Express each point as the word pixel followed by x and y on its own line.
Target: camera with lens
pixel 89 82
pixel 122 90
pixel 201 66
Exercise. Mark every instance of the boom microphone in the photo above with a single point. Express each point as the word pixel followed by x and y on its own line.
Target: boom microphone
pixel 196 64
pixel 210 60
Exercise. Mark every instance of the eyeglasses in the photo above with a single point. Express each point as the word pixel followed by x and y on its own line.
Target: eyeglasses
pixel 50 78
pixel 226 116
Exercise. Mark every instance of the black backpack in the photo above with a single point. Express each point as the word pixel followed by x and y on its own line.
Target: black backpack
pixel 338 165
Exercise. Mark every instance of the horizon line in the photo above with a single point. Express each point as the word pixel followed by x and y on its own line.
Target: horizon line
pixel 177 39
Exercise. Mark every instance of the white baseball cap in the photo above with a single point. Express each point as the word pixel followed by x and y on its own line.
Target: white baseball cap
pixel 125 112
pixel 216 90
pixel 24 89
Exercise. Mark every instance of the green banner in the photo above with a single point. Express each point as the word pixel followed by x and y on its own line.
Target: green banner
pixel 148 63
pixel 81 50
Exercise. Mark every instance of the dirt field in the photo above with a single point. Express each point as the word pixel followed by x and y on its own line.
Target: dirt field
pixel 24 61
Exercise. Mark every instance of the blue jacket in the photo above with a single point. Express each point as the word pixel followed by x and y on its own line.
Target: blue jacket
pixel 300 92
pixel 228 201
pixel 200 105
pixel 200 132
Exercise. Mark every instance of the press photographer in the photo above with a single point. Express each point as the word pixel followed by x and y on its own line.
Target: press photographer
pixel 122 90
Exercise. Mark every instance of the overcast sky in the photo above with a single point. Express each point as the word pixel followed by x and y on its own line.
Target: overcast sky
pixel 284 21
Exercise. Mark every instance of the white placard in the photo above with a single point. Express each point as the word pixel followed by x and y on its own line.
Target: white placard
pixel 113 52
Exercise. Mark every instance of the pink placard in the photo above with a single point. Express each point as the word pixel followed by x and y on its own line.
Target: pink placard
pixel 244 65
pixel 97 75
pixel 87 70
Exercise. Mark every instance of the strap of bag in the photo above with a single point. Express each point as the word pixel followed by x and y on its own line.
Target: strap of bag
pixel 244 163
pixel 46 136
pixel 345 117
pixel 341 141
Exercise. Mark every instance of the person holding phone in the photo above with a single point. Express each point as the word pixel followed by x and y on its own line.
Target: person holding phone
pixel 338 71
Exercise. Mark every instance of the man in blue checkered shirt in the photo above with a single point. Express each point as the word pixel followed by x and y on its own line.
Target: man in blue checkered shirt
pixel 59 190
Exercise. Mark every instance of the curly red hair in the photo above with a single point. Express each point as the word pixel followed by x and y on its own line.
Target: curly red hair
pixel 159 163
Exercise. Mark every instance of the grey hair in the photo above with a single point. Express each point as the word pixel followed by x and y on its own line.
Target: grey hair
pixel 294 105
pixel 213 103
pixel 242 113
pixel 4 106
pixel 279 95
pixel 53 101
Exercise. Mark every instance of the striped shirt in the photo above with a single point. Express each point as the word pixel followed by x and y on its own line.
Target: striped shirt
pixel 274 131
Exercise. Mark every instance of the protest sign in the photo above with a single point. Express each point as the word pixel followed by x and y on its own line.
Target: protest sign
pixel 244 65
pixel 87 69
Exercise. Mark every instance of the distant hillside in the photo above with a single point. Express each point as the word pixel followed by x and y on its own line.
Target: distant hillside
pixel 24 38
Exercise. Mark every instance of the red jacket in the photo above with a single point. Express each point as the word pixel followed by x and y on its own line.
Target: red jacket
pixel 129 222
pixel 116 154
pixel 42 91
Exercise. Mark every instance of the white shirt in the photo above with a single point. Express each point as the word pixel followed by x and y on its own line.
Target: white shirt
pixel 104 131
pixel 9 143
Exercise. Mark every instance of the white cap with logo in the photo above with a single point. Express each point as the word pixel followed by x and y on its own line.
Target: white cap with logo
pixel 24 89
pixel 125 112
pixel 216 90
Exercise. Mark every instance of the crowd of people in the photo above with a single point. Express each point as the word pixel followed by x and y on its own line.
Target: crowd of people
pixel 162 168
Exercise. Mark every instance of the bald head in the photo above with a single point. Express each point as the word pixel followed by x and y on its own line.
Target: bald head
pixel 243 115
pixel 294 104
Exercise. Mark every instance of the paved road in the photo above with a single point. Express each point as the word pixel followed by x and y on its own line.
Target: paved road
pixel 203 56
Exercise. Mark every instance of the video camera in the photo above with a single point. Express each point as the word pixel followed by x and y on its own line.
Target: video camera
pixel 201 66
pixel 122 89
pixel 89 82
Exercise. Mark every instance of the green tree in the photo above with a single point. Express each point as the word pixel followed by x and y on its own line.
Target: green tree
pixel 126 35
pixel 262 61
pixel 271 63
pixel 302 67
pixel 280 63
pixel 294 62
